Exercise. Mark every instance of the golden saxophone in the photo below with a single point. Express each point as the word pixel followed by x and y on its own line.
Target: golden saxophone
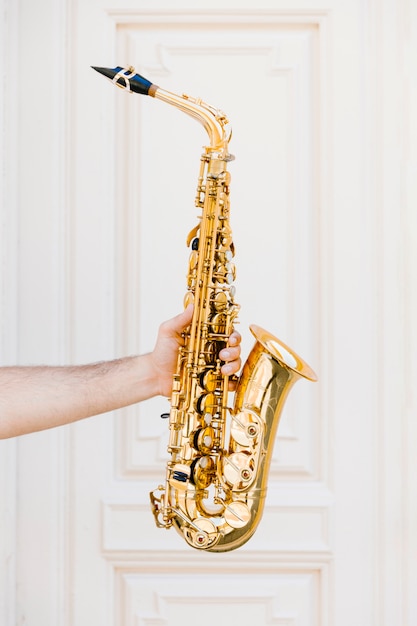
pixel 216 475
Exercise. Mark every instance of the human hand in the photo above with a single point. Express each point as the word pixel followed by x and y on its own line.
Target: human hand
pixel 164 355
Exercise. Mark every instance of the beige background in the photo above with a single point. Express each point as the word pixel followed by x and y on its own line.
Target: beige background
pixel 97 200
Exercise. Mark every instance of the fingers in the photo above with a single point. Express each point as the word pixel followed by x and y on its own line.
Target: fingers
pixel 232 367
pixel 234 339
pixel 232 358
pixel 231 354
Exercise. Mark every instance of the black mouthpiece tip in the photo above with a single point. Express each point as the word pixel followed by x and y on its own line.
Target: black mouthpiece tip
pixel 106 71
pixel 126 78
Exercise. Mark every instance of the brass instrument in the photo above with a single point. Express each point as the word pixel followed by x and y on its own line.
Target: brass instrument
pixel 216 476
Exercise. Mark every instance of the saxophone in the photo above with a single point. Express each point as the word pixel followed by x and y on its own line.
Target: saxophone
pixel 216 475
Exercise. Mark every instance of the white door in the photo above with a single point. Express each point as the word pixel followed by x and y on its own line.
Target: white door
pixel 98 199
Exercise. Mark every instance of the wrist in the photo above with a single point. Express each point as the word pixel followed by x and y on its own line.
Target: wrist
pixel 146 375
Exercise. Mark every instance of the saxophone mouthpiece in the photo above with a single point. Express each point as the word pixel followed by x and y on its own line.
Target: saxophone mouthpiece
pixel 127 78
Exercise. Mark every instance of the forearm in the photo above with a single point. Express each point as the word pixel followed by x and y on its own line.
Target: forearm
pixel 35 398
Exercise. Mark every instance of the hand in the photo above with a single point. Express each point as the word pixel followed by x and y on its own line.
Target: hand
pixel 164 355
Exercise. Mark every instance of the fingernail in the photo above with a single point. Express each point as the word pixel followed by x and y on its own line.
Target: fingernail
pixel 225 354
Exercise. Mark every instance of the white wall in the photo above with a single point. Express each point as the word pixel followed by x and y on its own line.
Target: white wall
pixel 97 191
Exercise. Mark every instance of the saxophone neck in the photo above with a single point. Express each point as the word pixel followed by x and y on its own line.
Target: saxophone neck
pixel 214 121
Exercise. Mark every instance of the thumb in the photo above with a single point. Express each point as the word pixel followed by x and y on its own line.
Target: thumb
pixel 182 320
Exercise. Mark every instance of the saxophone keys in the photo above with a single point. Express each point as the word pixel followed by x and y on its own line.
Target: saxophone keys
pixel 202 472
pixel 193 260
pixel 202 534
pixel 226 273
pixel 237 514
pixel 206 403
pixel 203 440
pixel 209 380
pixel 192 235
pixel 188 299
pixel 180 476
pixel 218 323
pixel 220 301
pixel 210 352
pixel 226 240
pixel 224 255
pixel 238 470
pixel 161 519
pixel 245 428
